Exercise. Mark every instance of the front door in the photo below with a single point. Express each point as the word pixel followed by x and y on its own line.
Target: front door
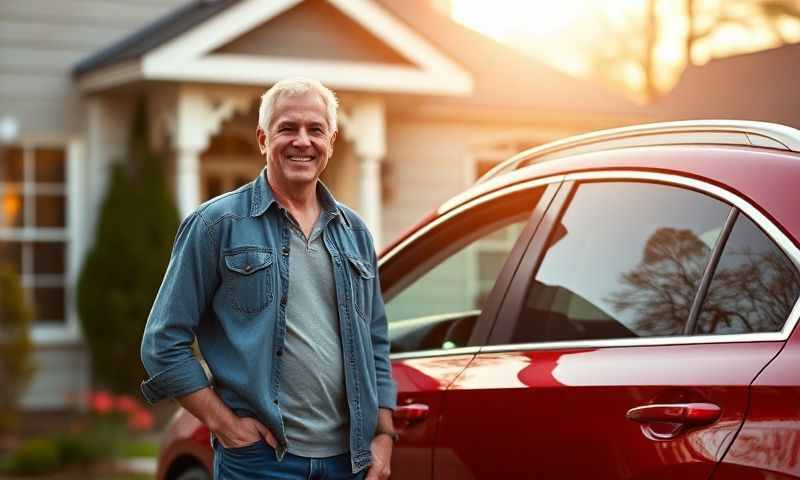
pixel 442 288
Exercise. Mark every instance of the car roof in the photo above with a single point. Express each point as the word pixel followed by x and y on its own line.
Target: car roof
pixel 756 160
pixel 687 132
pixel 768 178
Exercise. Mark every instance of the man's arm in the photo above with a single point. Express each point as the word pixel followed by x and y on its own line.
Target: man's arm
pixel 189 283
pixel 387 393
pixel 381 447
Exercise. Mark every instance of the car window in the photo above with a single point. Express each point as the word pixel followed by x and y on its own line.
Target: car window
pixel 438 285
pixel 754 287
pixel 625 260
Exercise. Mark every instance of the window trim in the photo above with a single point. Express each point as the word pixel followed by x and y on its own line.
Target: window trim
pixel 463 208
pixel 771 230
pixel 486 320
pixel 68 331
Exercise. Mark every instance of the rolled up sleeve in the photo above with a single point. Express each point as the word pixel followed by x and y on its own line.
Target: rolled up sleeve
pixel 387 391
pixel 186 291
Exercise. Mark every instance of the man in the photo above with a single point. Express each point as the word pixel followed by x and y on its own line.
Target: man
pixel 278 283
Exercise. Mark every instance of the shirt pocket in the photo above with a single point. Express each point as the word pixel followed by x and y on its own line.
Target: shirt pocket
pixel 248 279
pixel 361 275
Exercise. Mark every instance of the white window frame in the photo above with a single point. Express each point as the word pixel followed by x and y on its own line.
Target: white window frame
pixel 69 330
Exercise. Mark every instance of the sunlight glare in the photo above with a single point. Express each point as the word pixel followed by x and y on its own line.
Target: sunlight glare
pixel 501 17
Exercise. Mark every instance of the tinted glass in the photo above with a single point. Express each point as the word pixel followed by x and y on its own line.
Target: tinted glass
pixel 625 261
pixel 50 211
pixel 754 287
pixel 48 257
pixel 11 165
pixel 50 165
pixel 11 256
pixel 448 274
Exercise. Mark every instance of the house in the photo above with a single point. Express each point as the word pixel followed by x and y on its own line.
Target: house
pixel 752 86
pixel 427 106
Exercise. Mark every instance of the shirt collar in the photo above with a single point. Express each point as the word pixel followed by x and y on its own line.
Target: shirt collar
pixel 263 198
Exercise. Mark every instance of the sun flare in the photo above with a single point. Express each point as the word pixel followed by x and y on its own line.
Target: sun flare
pixel 501 17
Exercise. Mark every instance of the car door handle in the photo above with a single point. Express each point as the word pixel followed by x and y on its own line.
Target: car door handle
pixel 688 414
pixel 411 413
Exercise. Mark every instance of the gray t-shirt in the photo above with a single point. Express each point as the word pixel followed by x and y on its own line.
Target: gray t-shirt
pixel 313 395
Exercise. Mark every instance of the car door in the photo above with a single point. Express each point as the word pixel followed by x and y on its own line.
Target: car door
pixel 599 365
pixel 442 287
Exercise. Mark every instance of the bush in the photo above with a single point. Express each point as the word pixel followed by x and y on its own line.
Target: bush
pixel 35 457
pixel 49 454
pixel 82 449
pixel 16 365
pixel 123 270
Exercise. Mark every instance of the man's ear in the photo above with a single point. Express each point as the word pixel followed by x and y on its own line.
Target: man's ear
pixel 333 140
pixel 261 138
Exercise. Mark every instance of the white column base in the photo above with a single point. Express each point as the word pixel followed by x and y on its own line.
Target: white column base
pixel 370 196
pixel 187 181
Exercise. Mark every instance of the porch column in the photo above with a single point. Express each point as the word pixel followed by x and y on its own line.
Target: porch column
pixel 187 179
pixel 365 127
pixel 198 116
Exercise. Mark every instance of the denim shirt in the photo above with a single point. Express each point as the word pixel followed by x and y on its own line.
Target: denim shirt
pixel 227 285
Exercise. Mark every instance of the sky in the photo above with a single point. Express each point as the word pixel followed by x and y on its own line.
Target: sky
pixel 569 33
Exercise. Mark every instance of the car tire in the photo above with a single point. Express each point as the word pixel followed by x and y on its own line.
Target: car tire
pixel 194 473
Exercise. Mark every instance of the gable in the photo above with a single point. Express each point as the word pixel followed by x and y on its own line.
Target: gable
pixel 315 30
pixel 355 45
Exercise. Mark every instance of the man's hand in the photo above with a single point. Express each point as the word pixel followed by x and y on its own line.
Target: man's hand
pixel 230 430
pixel 381 458
pixel 244 431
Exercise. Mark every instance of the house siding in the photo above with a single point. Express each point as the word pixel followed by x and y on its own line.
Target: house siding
pixel 40 42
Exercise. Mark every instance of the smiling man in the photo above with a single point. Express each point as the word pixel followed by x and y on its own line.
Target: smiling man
pixel 278 283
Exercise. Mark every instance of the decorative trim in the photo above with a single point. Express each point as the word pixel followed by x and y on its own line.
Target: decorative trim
pixel 435 353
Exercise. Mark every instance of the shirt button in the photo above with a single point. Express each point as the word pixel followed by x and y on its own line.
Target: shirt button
pixel 279 353
pixel 247 268
pixel 275 401
pixel 285 251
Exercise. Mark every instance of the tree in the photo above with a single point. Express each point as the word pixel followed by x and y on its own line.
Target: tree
pixel 629 50
pixel 123 271
pixel 16 364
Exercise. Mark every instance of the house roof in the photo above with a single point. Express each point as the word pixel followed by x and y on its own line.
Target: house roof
pixel 754 86
pixel 503 77
pixel 153 35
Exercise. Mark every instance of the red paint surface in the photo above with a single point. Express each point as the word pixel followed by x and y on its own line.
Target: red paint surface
pixel 768 446
pixel 421 381
pixel 562 414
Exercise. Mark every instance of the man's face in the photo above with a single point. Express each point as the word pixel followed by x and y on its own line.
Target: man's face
pixel 299 140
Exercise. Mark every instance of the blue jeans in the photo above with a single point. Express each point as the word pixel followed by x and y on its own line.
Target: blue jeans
pixel 258 462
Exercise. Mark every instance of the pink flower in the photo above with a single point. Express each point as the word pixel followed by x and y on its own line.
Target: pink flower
pixel 127 404
pixel 141 421
pixel 101 401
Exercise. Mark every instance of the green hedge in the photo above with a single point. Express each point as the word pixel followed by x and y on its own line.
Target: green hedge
pixel 16 364
pixel 123 270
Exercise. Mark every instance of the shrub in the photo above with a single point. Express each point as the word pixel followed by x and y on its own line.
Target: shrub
pixel 123 270
pixel 34 457
pixel 16 365
pixel 82 448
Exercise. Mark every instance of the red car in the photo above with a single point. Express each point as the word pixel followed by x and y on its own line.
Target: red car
pixel 615 305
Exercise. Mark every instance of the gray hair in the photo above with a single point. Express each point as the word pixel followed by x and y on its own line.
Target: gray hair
pixel 297 86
